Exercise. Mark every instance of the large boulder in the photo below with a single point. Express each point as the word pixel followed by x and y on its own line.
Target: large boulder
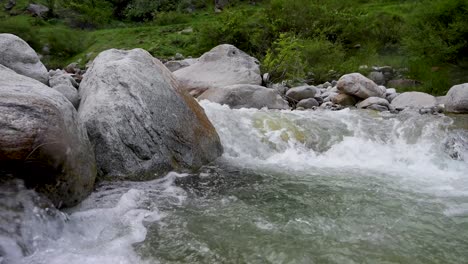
pixel 413 100
pixel 139 119
pixel 357 85
pixel 42 140
pixel 246 96
pixel 222 66
pixel 456 100
pixel 297 94
pixel 17 55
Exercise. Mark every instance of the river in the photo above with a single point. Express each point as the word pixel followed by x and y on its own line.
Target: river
pixel 348 186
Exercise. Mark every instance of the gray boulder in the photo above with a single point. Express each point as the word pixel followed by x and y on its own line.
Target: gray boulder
pixel 37 10
pixel 296 94
pixel 246 96
pixel 357 85
pixel 43 141
pixel 413 100
pixel 374 103
pixel 344 99
pixel 139 119
pixel 17 55
pixel 222 66
pixel 308 103
pixel 456 100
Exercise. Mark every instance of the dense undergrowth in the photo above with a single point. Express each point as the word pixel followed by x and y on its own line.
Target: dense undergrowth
pixel 315 40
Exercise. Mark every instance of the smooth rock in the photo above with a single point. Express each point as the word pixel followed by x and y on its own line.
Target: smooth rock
pixel 391 97
pixel 62 78
pixel 390 91
pixel 17 55
pixel 297 94
pixel 43 141
pixel 456 100
pixel 308 103
pixel 413 100
pixel 375 103
pixel 222 66
pixel 344 100
pixel 70 93
pixel 139 119
pixel 246 96
pixel 357 85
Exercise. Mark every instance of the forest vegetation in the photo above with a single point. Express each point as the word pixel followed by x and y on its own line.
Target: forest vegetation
pixel 314 40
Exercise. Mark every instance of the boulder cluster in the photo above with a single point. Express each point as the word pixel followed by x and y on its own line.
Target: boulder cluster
pixel 128 118
pixel 226 75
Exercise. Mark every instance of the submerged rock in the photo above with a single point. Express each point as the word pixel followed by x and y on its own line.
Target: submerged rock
pixel 456 100
pixel 17 55
pixel 357 85
pixel 246 96
pixel 139 119
pixel 222 66
pixel 42 140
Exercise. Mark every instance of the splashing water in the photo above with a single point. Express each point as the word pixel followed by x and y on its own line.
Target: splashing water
pixel 349 186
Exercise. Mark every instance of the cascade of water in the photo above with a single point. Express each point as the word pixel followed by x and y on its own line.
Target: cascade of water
pixel 292 187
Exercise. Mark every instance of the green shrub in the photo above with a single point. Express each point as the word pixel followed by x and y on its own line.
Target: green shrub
pixel 293 58
pixel 439 31
pixel 249 30
pixel 285 59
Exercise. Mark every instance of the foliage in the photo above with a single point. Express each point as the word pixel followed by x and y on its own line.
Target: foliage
pixel 439 31
pixel 171 18
pixel 285 58
pixel 291 37
pixel 247 29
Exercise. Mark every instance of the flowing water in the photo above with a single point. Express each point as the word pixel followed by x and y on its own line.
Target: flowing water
pixel 292 187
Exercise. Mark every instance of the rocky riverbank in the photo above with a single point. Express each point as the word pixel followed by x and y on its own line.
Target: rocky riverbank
pixel 128 117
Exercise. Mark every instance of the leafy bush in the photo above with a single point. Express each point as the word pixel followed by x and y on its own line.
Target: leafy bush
pixel 291 58
pixel 249 30
pixel 285 60
pixel 439 31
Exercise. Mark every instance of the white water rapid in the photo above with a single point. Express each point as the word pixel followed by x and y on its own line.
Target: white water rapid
pixel 345 186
